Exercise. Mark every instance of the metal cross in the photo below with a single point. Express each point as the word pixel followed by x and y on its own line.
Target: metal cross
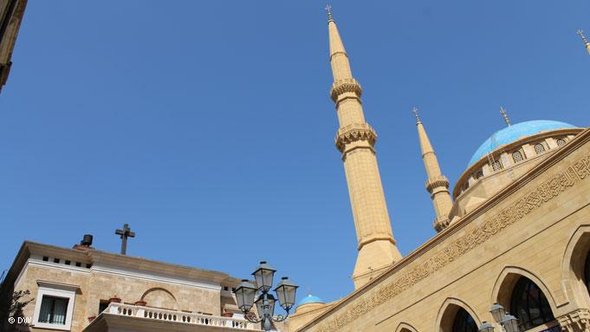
pixel 125 233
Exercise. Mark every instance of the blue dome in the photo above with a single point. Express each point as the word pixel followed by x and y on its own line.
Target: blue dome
pixel 515 132
pixel 310 299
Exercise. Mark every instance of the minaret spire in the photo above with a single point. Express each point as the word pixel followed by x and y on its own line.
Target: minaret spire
pixel 437 184
pixel 329 11
pixel 356 140
pixel 584 40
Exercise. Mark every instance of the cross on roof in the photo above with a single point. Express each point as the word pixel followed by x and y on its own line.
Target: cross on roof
pixel 125 233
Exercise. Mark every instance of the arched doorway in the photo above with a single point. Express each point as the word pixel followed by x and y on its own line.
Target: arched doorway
pixel 529 304
pixel 463 322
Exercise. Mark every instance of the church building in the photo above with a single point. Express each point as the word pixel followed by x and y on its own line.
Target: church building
pixel 87 290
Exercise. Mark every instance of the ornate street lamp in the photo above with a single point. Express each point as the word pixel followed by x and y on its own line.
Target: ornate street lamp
pixel 249 295
pixel 508 322
pixel 486 327
pixel 497 311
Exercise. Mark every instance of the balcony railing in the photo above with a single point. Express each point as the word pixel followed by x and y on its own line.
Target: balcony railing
pixel 179 316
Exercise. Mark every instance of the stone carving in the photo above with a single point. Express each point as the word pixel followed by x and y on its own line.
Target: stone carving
pixel 575 321
pixel 345 85
pixel 355 132
pixel 530 201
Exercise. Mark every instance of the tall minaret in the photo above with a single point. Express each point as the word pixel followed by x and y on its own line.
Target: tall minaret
pixel 584 40
pixel 437 184
pixel 355 140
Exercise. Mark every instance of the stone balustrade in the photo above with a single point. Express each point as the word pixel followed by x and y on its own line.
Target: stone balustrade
pixel 179 316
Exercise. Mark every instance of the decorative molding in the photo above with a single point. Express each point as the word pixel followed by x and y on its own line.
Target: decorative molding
pixel 437 181
pixel 532 200
pixel 355 132
pixel 345 85
pixel 575 321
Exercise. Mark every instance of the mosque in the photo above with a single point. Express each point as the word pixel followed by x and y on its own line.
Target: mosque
pixel 512 249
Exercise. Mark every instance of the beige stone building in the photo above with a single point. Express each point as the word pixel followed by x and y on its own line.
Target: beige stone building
pixel 514 231
pixel 83 289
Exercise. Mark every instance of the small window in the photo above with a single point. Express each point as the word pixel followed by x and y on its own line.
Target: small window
pixel 53 310
pixel 54 306
pixel 88 266
pixel 497 165
pixel 68 262
pixel 517 156
pixel 78 264
pixel 560 142
pixel 539 148
pixel 478 174
pixel 56 260
pixel 45 259
pixel 465 185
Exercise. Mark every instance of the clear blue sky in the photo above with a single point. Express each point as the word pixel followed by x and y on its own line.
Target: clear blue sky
pixel 207 125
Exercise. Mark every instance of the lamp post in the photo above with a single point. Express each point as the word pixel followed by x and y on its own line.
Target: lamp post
pixel 508 322
pixel 248 295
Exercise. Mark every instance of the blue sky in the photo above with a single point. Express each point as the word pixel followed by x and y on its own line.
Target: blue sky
pixel 207 126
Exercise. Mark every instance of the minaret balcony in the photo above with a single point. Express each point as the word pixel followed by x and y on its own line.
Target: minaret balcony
pixel 347 85
pixel 437 182
pixel 353 133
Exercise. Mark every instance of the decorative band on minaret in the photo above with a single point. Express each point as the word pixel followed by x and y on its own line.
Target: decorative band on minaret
pixel 355 139
pixel 437 184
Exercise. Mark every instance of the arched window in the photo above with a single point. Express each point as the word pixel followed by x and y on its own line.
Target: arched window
pixel 464 322
pixel 529 304
pixel 560 142
pixel 517 156
pixel 539 148
pixel 497 165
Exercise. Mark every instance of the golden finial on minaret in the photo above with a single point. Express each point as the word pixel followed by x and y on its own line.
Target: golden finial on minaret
pixel 437 184
pixel 505 116
pixel 584 40
pixel 329 11
pixel 415 111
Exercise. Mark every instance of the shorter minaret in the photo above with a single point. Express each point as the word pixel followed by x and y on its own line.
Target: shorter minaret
pixel 584 40
pixel 437 184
